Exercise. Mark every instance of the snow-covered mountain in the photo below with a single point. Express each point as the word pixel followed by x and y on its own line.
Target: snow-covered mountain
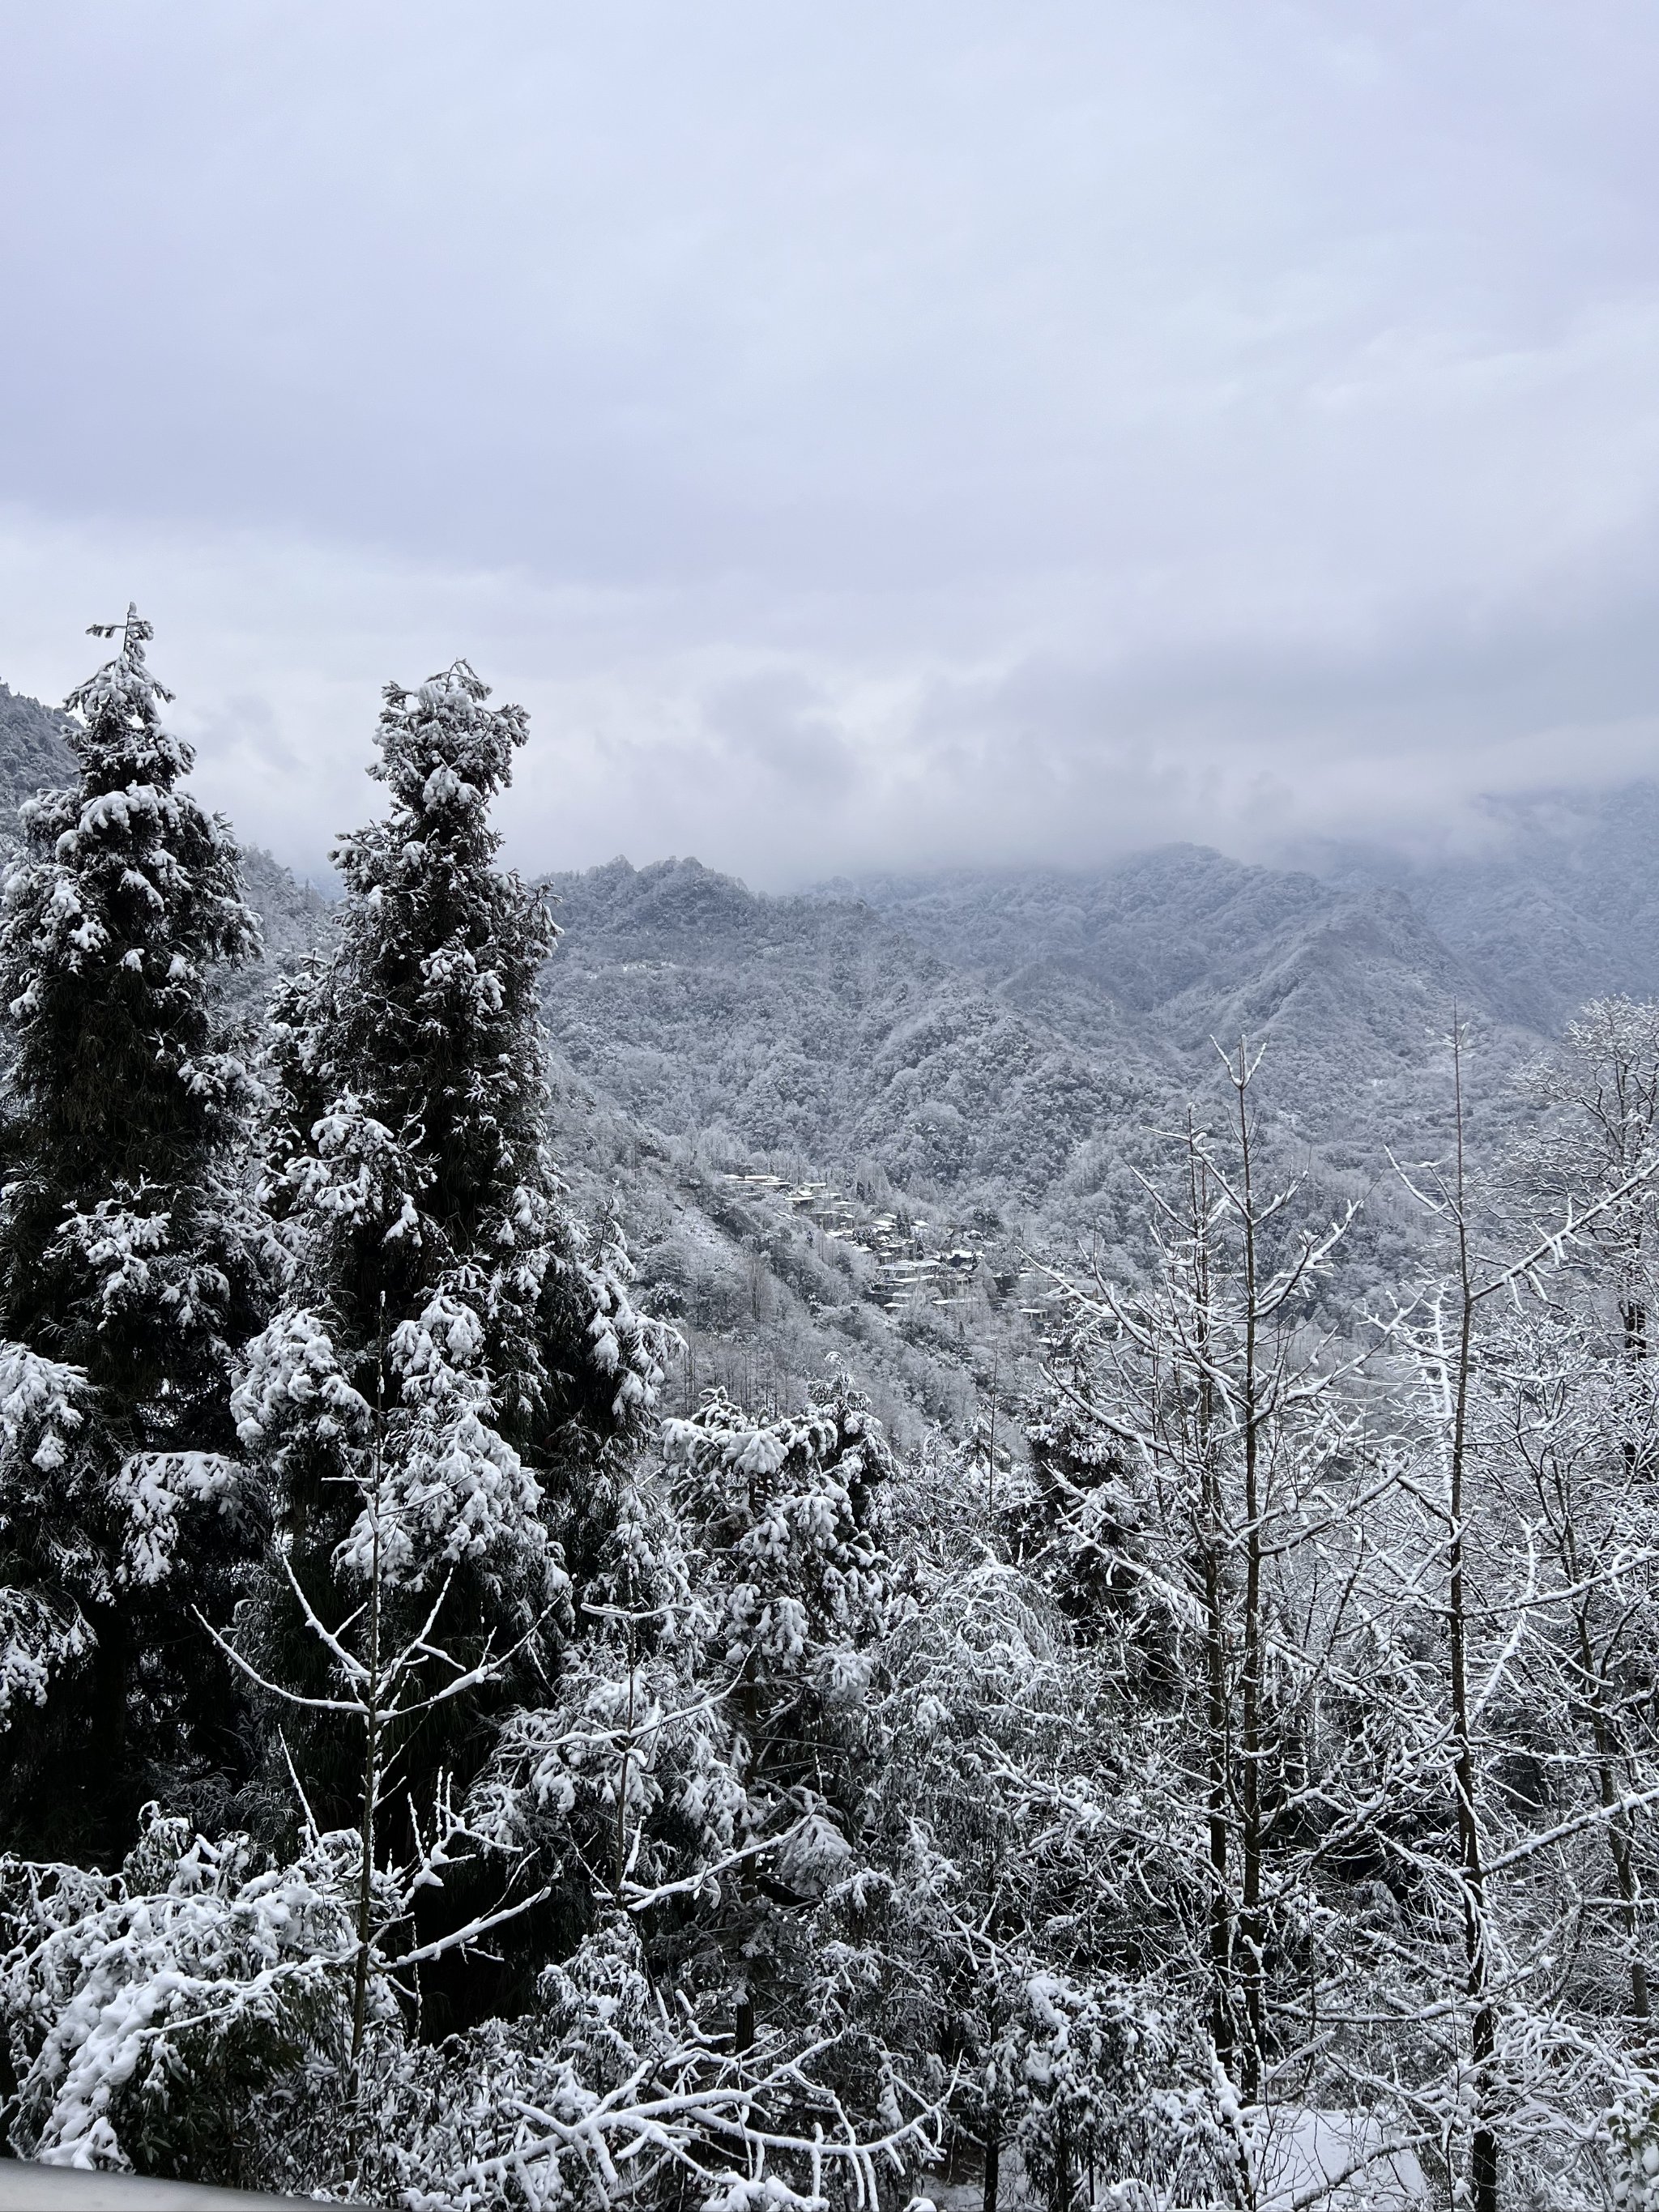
pixel 986 1028
pixel 1561 903
pixel 994 1053
pixel 1009 1032
pixel 33 749
pixel 1001 1050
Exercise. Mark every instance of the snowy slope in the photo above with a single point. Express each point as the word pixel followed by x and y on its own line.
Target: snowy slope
pixel 1561 905
pixel 1016 1035
pixel 33 749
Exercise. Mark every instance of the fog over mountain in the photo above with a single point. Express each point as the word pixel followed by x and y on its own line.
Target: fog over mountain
pixel 981 1023
pixel 1561 903
pixel 997 1053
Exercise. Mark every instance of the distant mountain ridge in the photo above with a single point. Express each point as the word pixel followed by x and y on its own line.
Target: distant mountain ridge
pixel 1008 1029
pixel 998 1054
pixel 820 1029
pixel 34 751
pixel 1190 948
pixel 1562 905
pixel 1018 1032
pixel 1010 1032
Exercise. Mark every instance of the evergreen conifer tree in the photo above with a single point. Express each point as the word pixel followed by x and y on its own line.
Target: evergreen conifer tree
pixel 788 1514
pixel 455 1343
pixel 128 1270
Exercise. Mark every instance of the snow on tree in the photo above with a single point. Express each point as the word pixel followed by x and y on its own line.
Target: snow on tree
pixel 621 1779
pixel 1024 1848
pixel 409 1123
pixel 707 1745
pixel 1232 1427
pixel 148 2010
pixel 129 1266
pixel 52 1483
pixel 442 1408
pixel 118 1105
pixel 847 1780
pixel 788 1517
pixel 817 1755
pixel 1533 1569
pixel 1597 1099
pixel 604 2093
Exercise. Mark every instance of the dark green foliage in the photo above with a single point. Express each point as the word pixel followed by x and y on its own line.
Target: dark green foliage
pixel 458 1353
pixel 128 1270
pixel 116 1100
pixel 1082 1529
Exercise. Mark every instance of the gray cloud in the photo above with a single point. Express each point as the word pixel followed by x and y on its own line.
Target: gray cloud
pixel 862 435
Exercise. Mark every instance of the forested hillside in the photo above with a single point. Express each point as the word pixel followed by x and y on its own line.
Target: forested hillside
pixel 983 1540
pixel 1000 1055
pixel 1558 906
pixel 33 748
pixel 988 1031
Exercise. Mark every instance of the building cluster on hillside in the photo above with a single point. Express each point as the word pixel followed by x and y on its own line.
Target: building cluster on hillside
pixel 909 1270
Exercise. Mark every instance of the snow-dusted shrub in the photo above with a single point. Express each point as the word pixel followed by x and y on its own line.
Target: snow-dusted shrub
pixel 147 2011
pixel 605 2095
pixel 1093 2073
pixel 788 1511
pixel 1633 2130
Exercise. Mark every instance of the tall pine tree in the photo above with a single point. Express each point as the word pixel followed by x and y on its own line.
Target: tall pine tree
pixel 459 1362
pixel 128 1270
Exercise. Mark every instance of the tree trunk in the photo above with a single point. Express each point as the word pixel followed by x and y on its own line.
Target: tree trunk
pixel 1624 1871
pixel 1483 2038
pixel 111 1789
pixel 1252 1937
pixel 1217 1708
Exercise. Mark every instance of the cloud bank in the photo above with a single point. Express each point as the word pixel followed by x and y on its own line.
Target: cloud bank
pixel 861 436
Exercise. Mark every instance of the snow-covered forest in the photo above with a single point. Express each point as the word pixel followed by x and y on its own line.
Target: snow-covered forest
pixel 1120 1665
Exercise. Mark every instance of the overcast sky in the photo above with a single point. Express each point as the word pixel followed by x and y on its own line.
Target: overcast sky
pixel 863 432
